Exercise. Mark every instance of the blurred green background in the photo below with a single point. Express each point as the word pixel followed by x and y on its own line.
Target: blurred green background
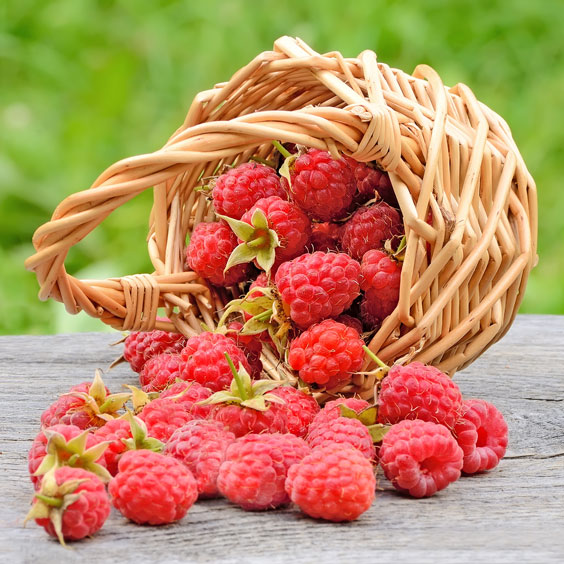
pixel 85 83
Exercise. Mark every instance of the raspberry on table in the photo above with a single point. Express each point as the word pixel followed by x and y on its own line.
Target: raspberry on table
pixel 201 446
pixel 318 286
pixel 140 346
pixel 113 431
pixel 327 354
pixel 242 420
pixel 482 434
pixel 163 416
pixel 333 482
pixel 236 191
pixel 73 504
pixel 420 457
pixel 300 407
pixel 210 247
pixel 418 391
pixel 331 410
pixel 369 228
pixel 322 186
pixel 151 488
pixel 160 371
pixel 189 394
pixel 255 468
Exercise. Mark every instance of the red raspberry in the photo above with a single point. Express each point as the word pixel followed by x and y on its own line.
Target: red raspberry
pixel 251 345
pixel 482 434
pixel 210 247
pixel 334 482
pixel 327 353
pixel 113 431
pixel 235 191
pixel 290 223
pixel 160 371
pixel 163 416
pixel 418 391
pixel 326 237
pixel 189 394
pixel 332 411
pixel 369 228
pixel 300 408
pixel 343 430
pixel 201 446
pixel 204 358
pixel 67 410
pixel 151 488
pixel 322 186
pixel 140 346
pixel 350 321
pixel 380 279
pixel 318 286
pixel 420 457
pixel 68 519
pixel 255 468
pixel 370 183
pixel 242 420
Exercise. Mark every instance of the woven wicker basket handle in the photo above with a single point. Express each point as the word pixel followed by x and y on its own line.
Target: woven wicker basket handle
pixel 382 139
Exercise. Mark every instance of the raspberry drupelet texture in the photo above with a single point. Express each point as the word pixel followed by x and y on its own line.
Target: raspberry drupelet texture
pixel 343 430
pixel 189 394
pixel 201 446
pixel 151 488
pixel 420 457
pixel 482 433
pixel 140 346
pixel 255 468
pixel 163 416
pixel 236 191
pixel 369 228
pixel 300 407
pixel 326 237
pixel 160 372
pixel 322 186
pixel 242 420
pixel 251 345
pixel 76 504
pixel 318 286
pixel 380 278
pixel 334 482
pixel 113 431
pixel 210 247
pixel 371 183
pixel 331 410
pixel 204 360
pixel 418 391
pixel 327 354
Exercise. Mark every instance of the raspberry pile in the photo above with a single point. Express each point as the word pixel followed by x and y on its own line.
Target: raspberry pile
pixel 318 246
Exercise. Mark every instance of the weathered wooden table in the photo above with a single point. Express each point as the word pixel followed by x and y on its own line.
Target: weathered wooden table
pixel 513 514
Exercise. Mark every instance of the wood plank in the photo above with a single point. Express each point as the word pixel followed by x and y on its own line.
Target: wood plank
pixel 514 513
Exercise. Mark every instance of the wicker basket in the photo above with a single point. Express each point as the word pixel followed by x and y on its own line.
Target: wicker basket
pixel 468 202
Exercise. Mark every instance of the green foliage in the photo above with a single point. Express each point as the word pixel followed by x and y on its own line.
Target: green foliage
pixel 87 83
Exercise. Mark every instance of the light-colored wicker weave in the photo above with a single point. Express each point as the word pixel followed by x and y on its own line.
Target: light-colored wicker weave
pixel 468 202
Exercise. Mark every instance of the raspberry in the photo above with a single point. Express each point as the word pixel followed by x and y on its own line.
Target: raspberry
pixel 65 407
pixel 481 432
pixel 350 321
pixel 235 191
pixel 300 409
pixel 334 482
pixel 371 182
pixel 317 286
pixel 420 457
pixel 343 430
pixel 327 353
pixel 322 186
pixel 163 416
pixel 151 488
pixel 251 345
pixel 189 394
pixel 369 228
pixel 255 468
pixel 75 501
pixel 204 358
pixel 160 372
pixel 332 411
pixel 113 431
pixel 325 237
pixel 380 279
pixel 210 247
pixel 140 346
pixel 244 420
pixel 417 391
pixel 201 446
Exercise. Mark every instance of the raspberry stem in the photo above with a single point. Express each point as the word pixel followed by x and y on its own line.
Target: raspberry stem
pixel 375 358
pixel 281 149
pixel 240 385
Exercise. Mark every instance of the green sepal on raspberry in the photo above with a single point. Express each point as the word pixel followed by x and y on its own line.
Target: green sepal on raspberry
pixel 61 452
pixel 368 417
pixel 245 392
pixel 259 242
pixel 139 436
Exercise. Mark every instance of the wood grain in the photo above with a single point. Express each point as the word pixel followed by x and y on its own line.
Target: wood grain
pixel 512 514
